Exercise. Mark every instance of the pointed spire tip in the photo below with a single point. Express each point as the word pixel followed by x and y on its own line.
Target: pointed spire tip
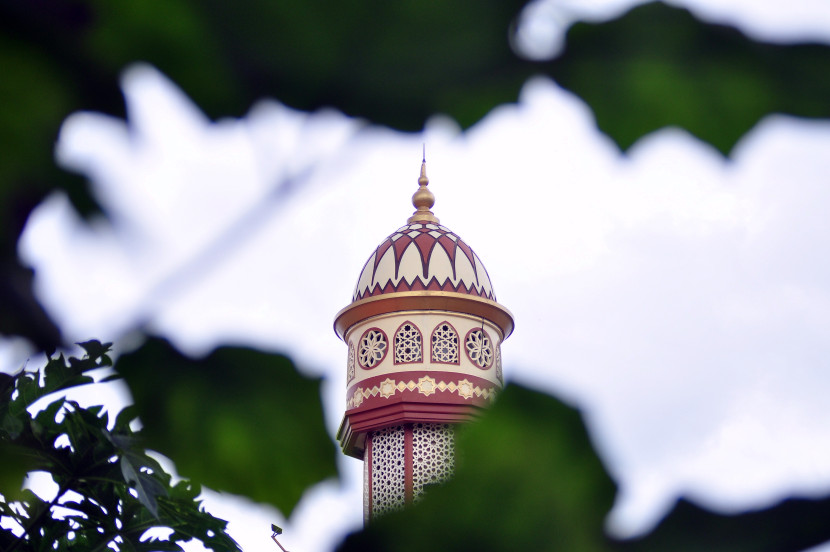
pixel 423 199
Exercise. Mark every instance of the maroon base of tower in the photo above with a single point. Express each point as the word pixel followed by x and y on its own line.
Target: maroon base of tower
pixel 358 422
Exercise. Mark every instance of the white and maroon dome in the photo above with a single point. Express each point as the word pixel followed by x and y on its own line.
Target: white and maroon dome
pixel 423 256
pixel 423 266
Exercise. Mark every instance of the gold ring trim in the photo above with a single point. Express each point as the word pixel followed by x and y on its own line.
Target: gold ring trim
pixel 423 301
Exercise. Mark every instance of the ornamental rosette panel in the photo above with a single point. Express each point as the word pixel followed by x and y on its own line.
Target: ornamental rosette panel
pixel 479 348
pixel 373 348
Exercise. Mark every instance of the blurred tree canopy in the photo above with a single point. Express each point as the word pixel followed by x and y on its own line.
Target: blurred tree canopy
pixel 394 64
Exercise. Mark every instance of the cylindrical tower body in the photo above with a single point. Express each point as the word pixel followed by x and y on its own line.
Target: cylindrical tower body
pixel 424 334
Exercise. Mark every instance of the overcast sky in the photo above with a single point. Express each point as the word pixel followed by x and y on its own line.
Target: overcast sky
pixel 681 299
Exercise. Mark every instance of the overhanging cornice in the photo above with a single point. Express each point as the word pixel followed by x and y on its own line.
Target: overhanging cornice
pixel 424 301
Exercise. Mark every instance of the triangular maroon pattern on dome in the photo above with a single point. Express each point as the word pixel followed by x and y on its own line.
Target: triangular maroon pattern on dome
pixel 449 247
pixel 425 243
pixel 400 244
pixel 467 251
pixel 381 250
pixel 411 260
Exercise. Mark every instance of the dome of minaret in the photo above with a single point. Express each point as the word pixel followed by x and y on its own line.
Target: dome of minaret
pixel 425 256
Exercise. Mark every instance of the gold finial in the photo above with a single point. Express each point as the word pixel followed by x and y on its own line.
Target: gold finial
pixel 423 199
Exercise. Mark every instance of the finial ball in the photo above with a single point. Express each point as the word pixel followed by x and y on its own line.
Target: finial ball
pixel 423 198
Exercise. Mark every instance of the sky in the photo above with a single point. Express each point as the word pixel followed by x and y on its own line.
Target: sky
pixel 679 298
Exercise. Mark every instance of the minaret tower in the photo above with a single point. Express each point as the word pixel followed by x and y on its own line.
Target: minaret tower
pixel 424 333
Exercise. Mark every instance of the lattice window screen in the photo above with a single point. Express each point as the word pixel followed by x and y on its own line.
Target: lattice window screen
pixel 445 344
pixel 433 455
pixel 407 344
pixel 388 473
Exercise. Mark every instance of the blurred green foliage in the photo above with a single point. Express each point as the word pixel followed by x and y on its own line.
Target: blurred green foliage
pixel 238 420
pixel 658 66
pixel 789 526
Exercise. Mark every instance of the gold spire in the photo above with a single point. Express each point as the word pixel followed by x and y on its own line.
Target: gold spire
pixel 423 199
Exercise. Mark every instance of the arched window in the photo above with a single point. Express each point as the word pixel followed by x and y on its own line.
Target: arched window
pixel 408 344
pixel 372 348
pixel 479 348
pixel 445 344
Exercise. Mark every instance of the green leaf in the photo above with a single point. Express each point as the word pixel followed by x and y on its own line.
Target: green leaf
pixel 95 349
pixel 125 417
pixel 98 412
pixel 45 422
pixel 28 391
pixel 452 57
pixel 13 425
pixel 57 376
pixel 14 465
pixel 794 524
pixel 658 66
pixel 239 420
pixel 147 486
pixel 527 479
pixel 185 490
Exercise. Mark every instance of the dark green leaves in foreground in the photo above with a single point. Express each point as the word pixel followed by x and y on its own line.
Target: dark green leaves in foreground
pixel 18 428
pixel 110 492
pixel 529 479
pixel 658 66
pixel 238 420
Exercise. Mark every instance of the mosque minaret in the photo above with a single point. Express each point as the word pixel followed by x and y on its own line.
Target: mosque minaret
pixel 424 334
